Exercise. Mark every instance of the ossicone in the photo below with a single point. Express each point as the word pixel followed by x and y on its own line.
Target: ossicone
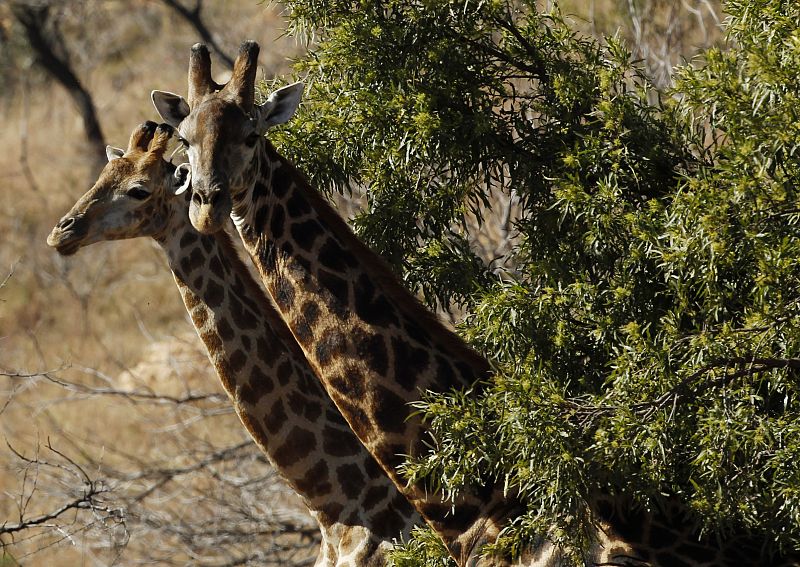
pixel 200 81
pixel 242 85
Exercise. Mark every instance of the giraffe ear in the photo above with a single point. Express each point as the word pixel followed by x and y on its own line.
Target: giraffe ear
pixel 113 153
pixel 280 106
pixel 183 178
pixel 172 108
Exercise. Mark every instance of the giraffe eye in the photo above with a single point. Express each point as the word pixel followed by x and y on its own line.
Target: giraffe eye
pixel 138 192
pixel 183 141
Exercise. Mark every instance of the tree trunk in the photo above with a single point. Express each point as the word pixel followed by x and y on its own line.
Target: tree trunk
pixel 50 52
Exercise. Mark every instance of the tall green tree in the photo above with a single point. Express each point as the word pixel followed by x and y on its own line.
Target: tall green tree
pixel 645 326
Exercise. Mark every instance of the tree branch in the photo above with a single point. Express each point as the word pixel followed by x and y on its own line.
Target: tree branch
pixel 131 395
pixel 86 501
pixel 34 20
pixel 194 18
pixel 748 367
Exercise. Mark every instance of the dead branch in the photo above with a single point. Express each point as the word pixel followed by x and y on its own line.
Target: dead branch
pixel 8 276
pixel 134 395
pixel 661 34
pixel 163 475
pixel 236 500
pixel 130 395
pixel 88 499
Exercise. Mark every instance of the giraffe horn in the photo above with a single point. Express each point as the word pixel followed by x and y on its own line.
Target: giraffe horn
pixel 243 81
pixel 141 136
pixel 200 81
pixel 158 145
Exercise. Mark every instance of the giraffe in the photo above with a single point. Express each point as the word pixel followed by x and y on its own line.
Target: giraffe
pixel 272 388
pixel 370 342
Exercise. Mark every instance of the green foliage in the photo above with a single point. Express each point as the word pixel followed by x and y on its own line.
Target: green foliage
pixel 424 548
pixel 645 325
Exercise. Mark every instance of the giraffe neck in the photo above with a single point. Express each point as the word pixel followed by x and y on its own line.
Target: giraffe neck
pixel 374 347
pixel 279 400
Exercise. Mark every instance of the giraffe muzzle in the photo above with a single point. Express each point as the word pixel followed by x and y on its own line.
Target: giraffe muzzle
pixel 68 235
pixel 211 198
pixel 66 223
pixel 209 210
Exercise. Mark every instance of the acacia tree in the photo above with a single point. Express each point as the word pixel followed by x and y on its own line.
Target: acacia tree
pixel 644 326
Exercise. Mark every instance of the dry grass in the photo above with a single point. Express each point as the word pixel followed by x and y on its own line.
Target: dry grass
pixel 111 315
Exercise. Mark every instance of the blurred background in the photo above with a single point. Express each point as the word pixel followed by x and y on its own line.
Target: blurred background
pixel 118 444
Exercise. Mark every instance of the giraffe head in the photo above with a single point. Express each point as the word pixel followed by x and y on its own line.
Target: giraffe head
pixel 129 198
pixel 221 126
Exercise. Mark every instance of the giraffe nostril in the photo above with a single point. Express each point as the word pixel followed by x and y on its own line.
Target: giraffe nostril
pixel 197 199
pixel 214 199
pixel 66 223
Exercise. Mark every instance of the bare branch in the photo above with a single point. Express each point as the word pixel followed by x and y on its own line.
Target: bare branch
pixel 194 18
pixel 8 276
pixel 87 500
pixel 131 395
